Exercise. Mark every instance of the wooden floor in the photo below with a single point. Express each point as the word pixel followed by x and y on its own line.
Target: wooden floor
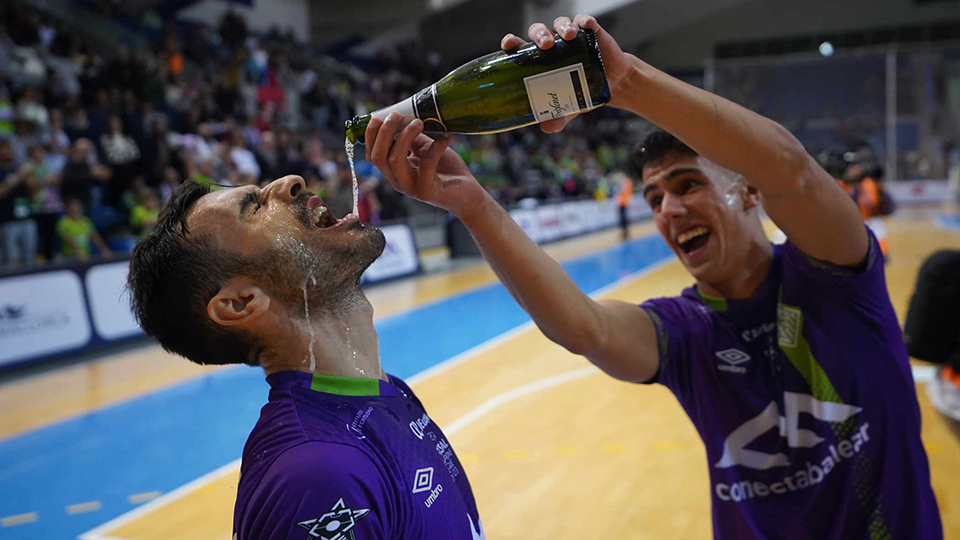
pixel 553 448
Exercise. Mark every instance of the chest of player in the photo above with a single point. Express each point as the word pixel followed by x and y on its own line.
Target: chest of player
pixel 773 406
pixel 432 495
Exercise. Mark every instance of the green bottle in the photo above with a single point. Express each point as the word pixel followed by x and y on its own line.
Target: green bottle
pixel 506 90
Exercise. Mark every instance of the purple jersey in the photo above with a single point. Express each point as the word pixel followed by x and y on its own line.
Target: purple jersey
pixel 804 398
pixel 335 458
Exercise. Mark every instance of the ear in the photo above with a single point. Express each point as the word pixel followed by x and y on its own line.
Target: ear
pixel 751 196
pixel 238 302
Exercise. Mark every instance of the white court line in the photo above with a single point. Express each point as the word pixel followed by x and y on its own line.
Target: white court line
pixel 544 384
pixel 18 519
pixel 450 363
pixel 457 425
pixel 138 498
pixel 97 534
pixel 83 508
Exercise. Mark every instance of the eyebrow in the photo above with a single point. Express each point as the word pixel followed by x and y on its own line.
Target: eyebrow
pixel 245 202
pixel 671 175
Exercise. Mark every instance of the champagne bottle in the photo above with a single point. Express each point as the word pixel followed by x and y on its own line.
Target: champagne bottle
pixel 506 90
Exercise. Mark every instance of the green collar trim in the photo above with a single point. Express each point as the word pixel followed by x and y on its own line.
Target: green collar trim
pixel 715 303
pixel 345 386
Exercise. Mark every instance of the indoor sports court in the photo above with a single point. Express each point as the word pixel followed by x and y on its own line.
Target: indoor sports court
pixel 141 444
pixel 108 107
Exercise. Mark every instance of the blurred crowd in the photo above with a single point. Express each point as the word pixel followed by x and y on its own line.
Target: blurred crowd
pixel 95 135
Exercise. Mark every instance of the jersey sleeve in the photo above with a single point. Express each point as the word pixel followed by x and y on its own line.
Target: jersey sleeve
pixel 865 285
pixel 680 326
pixel 320 490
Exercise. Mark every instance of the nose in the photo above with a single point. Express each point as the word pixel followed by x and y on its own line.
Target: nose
pixel 672 206
pixel 287 188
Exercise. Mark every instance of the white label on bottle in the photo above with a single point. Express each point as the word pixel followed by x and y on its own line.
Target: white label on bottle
pixel 405 108
pixel 558 93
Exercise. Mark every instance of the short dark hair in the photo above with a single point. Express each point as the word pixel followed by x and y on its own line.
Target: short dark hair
pixel 173 275
pixel 655 147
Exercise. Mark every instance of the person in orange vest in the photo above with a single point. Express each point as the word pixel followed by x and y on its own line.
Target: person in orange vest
pixel 864 183
pixel 623 202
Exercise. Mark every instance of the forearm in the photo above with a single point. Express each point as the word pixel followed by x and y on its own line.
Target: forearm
pixel 718 129
pixel 542 288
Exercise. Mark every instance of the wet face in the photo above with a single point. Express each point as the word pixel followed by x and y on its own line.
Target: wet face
pixel 294 238
pixel 703 212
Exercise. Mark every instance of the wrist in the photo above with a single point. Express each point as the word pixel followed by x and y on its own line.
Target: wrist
pixel 475 215
pixel 623 89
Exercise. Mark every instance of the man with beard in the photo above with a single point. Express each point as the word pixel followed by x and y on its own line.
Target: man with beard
pixel 788 359
pixel 270 278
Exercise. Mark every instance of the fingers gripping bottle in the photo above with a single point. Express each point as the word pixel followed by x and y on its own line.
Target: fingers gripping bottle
pixel 506 90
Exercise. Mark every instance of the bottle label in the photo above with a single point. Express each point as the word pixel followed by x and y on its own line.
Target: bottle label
pixel 405 108
pixel 558 93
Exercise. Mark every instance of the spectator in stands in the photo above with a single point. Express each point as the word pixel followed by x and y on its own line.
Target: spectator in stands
pixel 242 159
pixel 46 198
pixel 121 153
pixel 18 229
pixel 82 176
pixel 144 216
pixel 367 204
pixel 78 125
pixel 339 193
pixel 624 195
pixel 77 233
pixel 171 180
pixel 273 163
pixel 392 205
pixel 7 112
pixel 54 137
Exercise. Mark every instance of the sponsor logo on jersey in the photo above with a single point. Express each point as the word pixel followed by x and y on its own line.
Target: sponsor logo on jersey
pixel 417 426
pixel 423 480
pixel 337 524
pixel 740 448
pixel 732 358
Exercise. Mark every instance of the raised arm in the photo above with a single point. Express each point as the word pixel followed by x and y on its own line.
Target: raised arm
pixel 801 198
pixel 431 172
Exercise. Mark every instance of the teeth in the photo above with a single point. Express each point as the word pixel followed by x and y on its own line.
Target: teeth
pixel 691 234
pixel 318 214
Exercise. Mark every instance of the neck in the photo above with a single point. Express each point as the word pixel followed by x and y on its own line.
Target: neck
pixel 341 343
pixel 751 270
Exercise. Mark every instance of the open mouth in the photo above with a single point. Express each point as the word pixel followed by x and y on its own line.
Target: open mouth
pixel 693 239
pixel 320 216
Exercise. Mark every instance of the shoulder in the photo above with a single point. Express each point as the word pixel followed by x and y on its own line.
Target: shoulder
pixel 312 463
pixel 686 308
pixel 318 487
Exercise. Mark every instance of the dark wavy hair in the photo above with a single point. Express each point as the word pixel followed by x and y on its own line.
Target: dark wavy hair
pixel 173 275
pixel 657 145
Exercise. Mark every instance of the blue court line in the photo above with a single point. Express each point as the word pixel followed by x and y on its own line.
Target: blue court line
pixel 165 439
pixel 949 221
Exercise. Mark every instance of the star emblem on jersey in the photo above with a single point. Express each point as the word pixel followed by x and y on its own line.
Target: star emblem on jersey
pixel 337 524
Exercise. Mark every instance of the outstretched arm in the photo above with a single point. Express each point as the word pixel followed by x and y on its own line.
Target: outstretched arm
pixel 428 170
pixel 800 197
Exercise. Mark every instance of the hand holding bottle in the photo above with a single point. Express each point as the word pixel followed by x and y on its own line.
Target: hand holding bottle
pixel 616 63
pixel 420 167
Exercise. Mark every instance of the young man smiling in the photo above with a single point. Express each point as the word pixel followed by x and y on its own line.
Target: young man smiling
pixel 269 277
pixel 788 359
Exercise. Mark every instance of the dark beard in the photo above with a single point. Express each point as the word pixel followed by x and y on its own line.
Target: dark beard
pixel 330 275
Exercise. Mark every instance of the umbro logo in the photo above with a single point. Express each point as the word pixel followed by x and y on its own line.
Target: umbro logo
pixel 423 480
pixel 733 359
